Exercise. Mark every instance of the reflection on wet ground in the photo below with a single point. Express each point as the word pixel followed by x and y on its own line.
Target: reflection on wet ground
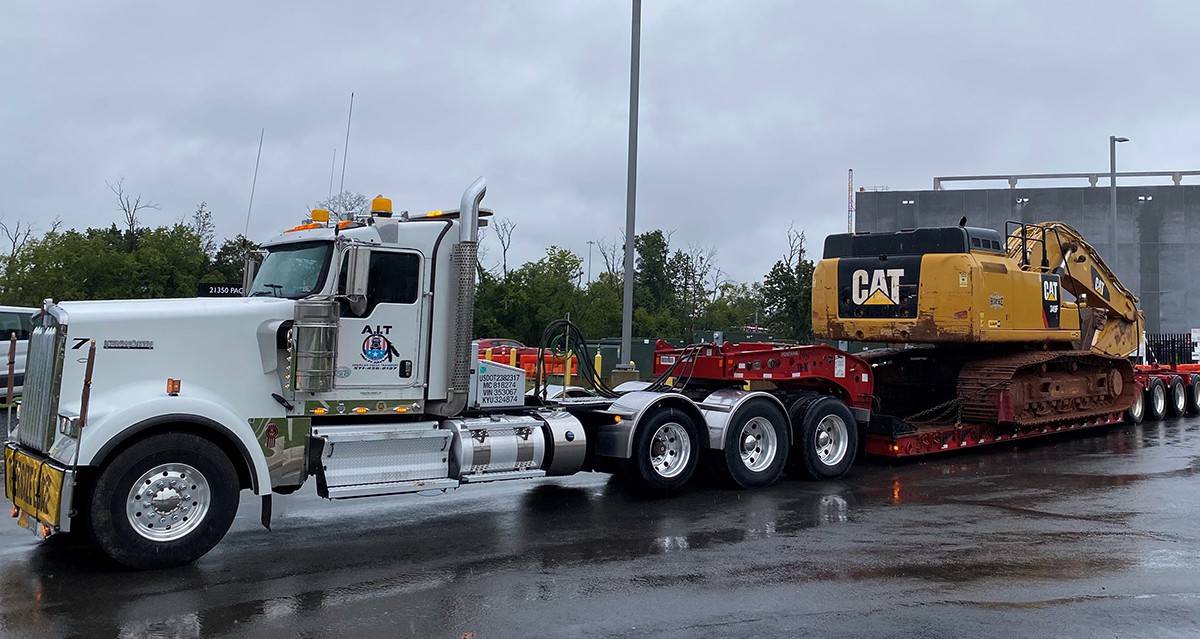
pixel 1086 533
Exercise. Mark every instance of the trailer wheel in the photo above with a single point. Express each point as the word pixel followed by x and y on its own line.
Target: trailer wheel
pixel 1178 396
pixel 1134 414
pixel 1194 396
pixel 756 446
pixel 665 451
pixel 164 501
pixel 828 437
pixel 1156 400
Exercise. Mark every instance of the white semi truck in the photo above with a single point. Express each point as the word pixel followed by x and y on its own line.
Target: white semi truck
pixel 350 360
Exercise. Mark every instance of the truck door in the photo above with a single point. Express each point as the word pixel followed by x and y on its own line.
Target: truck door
pixel 382 352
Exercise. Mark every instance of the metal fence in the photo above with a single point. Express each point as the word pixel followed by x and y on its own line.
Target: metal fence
pixel 1169 348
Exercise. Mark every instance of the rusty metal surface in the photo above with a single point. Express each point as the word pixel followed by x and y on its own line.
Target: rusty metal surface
pixel 1075 393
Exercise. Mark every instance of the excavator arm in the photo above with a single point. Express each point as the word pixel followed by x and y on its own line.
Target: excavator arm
pixel 1114 322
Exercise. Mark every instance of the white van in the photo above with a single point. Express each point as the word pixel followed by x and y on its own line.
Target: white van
pixel 19 320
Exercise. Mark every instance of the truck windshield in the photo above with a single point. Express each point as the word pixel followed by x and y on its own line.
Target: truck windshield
pixel 292 270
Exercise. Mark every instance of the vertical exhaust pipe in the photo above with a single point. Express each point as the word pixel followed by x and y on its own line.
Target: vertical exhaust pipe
pixel 463 259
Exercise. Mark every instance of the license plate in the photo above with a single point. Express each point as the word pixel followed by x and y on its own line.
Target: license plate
pixel 33 485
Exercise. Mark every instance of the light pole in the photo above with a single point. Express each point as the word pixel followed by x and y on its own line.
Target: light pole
pixel 1112 196
pixel 631 187
pixel 590 243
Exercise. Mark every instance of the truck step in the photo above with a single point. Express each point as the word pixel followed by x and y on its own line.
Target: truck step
pixel 378 459
pixel 479 478
pixel 390 488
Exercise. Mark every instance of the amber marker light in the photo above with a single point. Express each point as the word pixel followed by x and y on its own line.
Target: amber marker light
pixel 173 386
pixel 319 411
pixel 360 410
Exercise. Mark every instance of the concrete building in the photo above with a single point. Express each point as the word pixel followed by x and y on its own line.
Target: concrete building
pixel 1158 229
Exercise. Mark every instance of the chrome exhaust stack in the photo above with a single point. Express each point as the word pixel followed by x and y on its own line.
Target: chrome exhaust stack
pixel 463 260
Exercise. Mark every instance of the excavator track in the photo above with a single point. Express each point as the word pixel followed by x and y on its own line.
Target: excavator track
pixel 1042 387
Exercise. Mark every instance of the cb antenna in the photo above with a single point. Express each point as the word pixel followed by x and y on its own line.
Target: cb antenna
pixel 254 182
pixel 346 149
pixel 332 166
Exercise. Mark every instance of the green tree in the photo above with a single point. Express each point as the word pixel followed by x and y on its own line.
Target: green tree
pixel 787 291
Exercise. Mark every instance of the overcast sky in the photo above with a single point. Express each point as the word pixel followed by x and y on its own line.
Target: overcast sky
pixel 751 111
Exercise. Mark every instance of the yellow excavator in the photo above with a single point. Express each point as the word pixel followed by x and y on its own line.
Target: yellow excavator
pixel 978 325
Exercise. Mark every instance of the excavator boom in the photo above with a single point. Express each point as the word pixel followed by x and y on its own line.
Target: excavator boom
pixel 1116 324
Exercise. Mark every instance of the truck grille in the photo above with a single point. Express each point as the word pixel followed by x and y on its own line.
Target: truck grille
pixel 43 375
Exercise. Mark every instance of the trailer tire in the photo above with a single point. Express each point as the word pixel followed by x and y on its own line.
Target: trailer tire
pixel 1177 398
pixel 756 446
pixel 662 440
pixel 1156 400
pixel 1134 414
pixel 195 500
pixel 827 438
pixel 1194 395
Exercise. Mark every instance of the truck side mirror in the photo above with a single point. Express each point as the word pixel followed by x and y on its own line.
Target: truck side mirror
pixel 251 269
pixel 358 273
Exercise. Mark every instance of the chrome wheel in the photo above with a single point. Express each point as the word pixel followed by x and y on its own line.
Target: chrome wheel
pixel 1160 399
pixel 1179 397
pixel 831 440
pixel 168 502
pixel 758 444
pixel 670 450
pixel 1139 406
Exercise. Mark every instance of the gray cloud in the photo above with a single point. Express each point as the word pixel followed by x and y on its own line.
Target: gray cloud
pixel 751 112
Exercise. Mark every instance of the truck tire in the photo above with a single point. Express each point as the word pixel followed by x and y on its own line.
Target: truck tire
pixel 1194 395
pixel 666 449
pixel 756 446
pixel 827 438
pixel 1177 398
pixel 194 500
pixel 1156 400
pixel 1134 414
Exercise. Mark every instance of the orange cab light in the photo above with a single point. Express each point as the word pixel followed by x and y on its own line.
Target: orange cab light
pixel 401 409
pixel 319 411
pixel 303 227
pixel 344 223
pixel 360 410
pixel 434 214
pixel 616 419
pixel 381 206
pixel 896 448
pixel 16 511
pixel 173 386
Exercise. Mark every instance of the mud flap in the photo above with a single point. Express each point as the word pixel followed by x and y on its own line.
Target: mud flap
pixel 266 511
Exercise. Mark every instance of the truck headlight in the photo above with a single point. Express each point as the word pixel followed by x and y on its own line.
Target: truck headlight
pixel 68 425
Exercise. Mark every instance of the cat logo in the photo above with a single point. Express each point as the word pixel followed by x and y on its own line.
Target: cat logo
pixel 1050 290
pixel 879 287
pixel 1100 285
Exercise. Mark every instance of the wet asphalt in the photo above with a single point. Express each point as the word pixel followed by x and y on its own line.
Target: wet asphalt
pixel 1091 535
